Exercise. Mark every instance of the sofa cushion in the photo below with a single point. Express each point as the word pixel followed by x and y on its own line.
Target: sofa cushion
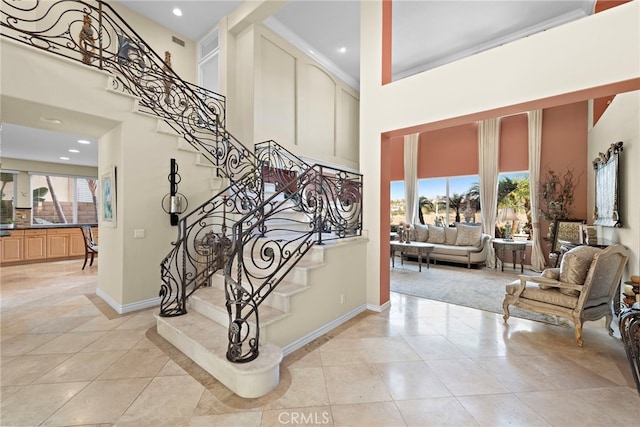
pixel 436 234
pixel 421 232
pixel 575 266
pixel 450 235
pixel 468 235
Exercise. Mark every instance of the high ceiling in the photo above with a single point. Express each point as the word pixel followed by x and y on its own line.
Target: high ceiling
pixel 426 34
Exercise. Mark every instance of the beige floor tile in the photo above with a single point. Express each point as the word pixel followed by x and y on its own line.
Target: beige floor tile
pixel 501 410
pixel 388 349
pixel 441 412
pixel 33 404
pixel 99 323
pixel 81 367
pixel 307 388
pixel 434 348
pixel 309 360
pixel 136 364
pixel 116 340
pixel 23 344
pixel 357 383
pixel 70 342
pixel 8 390
pixel 170 369
pixel 20 326
pixel 144 320
pixel 371 326
pixel 413 326
pixel 24 369
pixel 604 406
pixel 98 403
pixel 246 419
pixel 343 352
pixel 61 324
pixel 517 373
pixel 306 416
pixel 164 398
pixel 368 414
pixel 87 310
pixel 463 377
pixel 411 380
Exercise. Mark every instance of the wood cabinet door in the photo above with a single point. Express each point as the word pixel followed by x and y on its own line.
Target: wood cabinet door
pixel 35 246
pixel 76 243
pixel 57 245
pixel 11 248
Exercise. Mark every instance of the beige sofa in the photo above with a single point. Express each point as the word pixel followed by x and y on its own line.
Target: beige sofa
pixel 465 244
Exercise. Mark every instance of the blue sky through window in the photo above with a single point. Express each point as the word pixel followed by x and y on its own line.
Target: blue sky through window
pixel 436 186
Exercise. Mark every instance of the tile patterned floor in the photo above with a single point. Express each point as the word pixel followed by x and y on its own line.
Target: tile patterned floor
pixel 68 359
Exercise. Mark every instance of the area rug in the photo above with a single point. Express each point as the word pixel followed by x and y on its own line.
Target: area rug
pixel 478 287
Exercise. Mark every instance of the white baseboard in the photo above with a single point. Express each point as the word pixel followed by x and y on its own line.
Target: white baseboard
pixel 302 341
pixel 379 308
pixel 128 308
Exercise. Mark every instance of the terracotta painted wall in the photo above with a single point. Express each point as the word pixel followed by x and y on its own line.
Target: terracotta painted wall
pixel 454 151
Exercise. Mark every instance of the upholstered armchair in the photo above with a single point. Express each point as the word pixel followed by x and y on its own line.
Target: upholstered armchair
pixel 581 289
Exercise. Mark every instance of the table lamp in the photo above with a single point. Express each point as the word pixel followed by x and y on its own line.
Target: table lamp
pixel 508 214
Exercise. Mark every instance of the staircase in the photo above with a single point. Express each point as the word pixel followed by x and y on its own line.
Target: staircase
pixel 240 286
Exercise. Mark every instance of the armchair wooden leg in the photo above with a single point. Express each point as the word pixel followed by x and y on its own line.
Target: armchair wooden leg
pixel 505 308
pixel 579 334
pixel 85 260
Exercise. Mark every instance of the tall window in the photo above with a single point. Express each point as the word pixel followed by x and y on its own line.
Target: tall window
pixel 209 62
pixel 398 207
pixel 7 198
pixel 513 194
pixel 445 201
pixel 63 200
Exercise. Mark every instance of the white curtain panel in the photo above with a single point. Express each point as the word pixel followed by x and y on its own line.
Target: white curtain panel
pixel 535 145
pixel 411 177
pixel 488 149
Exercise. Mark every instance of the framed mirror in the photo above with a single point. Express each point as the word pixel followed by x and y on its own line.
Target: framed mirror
pixel 607 198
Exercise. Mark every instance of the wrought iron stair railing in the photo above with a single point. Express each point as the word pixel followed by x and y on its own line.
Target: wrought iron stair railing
pixel 233 224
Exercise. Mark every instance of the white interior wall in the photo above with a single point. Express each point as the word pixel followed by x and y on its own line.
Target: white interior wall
pixel 129 268
pixel 621 122
pixel 565 59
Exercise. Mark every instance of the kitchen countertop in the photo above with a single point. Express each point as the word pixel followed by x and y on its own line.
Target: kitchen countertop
pixel 5 231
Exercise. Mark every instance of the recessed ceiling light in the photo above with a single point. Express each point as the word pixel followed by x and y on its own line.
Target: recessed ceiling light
pixel 84 141
pixel 177 12
pixel 71 150
pixel 64 158
pixel 342 49
pixel 51 120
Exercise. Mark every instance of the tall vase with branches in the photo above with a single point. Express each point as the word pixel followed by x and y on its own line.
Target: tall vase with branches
pixel 556 197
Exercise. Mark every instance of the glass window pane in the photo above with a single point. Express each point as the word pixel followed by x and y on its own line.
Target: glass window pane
pixel 87 200
pixel 513 194
pixel 63 200
pixel 397 203
pixel 432 195
pixel 462 200
pixel 7 196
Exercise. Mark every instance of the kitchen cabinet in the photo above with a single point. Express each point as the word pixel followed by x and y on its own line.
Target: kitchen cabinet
pixel 76 242
pixel 57 243
pixel 35 244
pixel 11 246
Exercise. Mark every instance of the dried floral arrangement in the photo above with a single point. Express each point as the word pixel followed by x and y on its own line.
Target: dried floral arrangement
pixel 556 197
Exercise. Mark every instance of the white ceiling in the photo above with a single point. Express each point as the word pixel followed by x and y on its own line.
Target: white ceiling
pixel 426 34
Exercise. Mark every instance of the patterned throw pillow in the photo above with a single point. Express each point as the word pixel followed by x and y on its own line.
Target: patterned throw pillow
pixel 575 266
pixel 436 234
pixel 468 235
pixel 421 232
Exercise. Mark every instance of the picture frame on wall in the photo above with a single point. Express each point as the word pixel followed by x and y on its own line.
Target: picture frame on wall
pixel 108 197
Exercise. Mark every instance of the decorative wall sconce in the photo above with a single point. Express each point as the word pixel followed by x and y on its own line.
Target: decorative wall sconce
pixel 174 203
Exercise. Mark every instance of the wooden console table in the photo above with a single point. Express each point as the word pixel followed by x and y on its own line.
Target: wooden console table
pixel 412 248
pixel 513 246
